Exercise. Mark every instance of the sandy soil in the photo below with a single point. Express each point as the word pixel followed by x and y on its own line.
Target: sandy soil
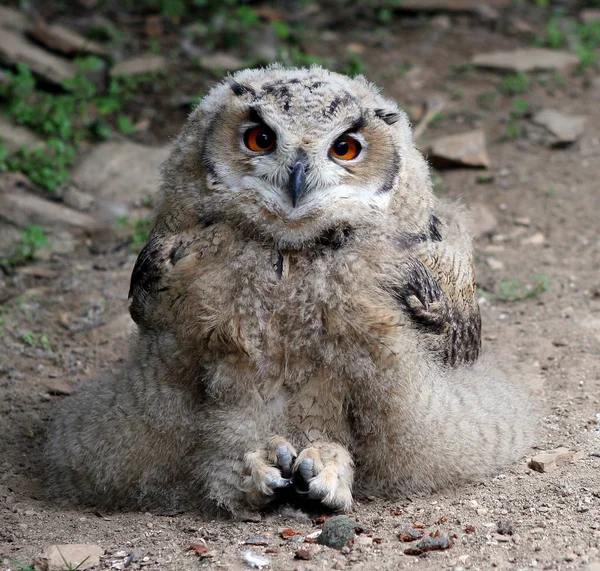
pixel 546 203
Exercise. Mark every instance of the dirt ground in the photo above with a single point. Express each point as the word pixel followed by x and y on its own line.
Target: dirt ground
pixel 546 203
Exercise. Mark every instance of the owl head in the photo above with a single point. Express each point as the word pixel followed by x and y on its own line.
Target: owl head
pixel 289 155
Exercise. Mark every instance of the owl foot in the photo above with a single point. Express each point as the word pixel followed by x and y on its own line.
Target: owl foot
pixel 324 472
pixel 267 470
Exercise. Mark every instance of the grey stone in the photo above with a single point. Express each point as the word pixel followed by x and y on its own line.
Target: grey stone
pixel 527 59
pixel 120 172
pixel 338 531
pixel 566 128
pixel 24 209
pixel 12 19
pixel 140 65
pixel 466 149
pixel 14 48
pixel 221 62
pixel 449 5
pixel 13 137
pixel 483 220
pixel 80 556
pixel 61 39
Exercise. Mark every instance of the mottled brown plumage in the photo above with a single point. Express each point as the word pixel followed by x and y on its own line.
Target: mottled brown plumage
pixel 305 320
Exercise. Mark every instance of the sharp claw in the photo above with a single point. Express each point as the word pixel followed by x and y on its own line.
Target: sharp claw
pixel 277 481
pixel 284 460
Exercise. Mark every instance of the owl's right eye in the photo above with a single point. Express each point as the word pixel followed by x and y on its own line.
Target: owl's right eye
pixel 260 139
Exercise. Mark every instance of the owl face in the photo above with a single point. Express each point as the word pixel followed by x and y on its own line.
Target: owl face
pixel 292 153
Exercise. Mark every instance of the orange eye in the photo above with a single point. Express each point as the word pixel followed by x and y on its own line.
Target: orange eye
pixel 345 148
pixel 260 139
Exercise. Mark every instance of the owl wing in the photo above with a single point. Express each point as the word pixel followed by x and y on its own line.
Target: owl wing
pixel 153 265
pixel 439 294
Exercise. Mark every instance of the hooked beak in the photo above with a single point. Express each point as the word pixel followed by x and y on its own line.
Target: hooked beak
pixel 297 182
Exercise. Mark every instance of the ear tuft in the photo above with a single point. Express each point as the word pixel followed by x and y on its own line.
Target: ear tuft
pixel 389 117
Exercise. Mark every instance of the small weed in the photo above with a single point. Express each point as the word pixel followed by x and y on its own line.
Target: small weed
pixel 514 290
pixel 44 341
pixel 139 231
pixel 554 37
pixel 462 67
pixel 353 67
pixel 512 130
pixel 21 565
pixel 26 250
pixel 125 125
pixel 515 84
pixel 437 118
pixel 28 338
pixel 551 191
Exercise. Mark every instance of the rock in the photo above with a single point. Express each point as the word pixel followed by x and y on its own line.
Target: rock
pixel 566 128
pixel 449 5
pixel 24 209
pixel 122 172
pixel 505 527
pixel 14 48
pixel 429 544
pixel 14 20
pixel 76 556
pixel 466 150
pixel 589 16
pixel 549 461
pixel 61 39
pixel 338 531
pixel 495 264
pixel 536 239
pixel 307 553
pixel 9 238
pixel 13 137
pixel 75 198
pixel 483 221
pixel 58 387
pixel 120 328
pixel 409 533
pixel 255 561
pixel 260 540
pixel 527 59
pixel 140 65
pixel 221 62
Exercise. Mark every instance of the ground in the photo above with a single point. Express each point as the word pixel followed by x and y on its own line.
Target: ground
pixel 64 320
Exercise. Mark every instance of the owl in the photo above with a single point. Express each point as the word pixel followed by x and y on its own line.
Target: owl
pixel 306 319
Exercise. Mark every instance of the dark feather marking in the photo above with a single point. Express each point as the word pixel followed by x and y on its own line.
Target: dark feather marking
pixel 279 265
pixel 434 228
pixel 389 118
pixel 421 284
pixel 392 175
pixel 145 276
pixel 280 91
pixel 408 240
pixel 241 89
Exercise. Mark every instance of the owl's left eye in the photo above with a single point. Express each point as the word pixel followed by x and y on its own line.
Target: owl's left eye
pixel 260 139
pixel 345 148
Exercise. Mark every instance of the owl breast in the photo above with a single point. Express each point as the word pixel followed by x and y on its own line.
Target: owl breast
pixel 284 316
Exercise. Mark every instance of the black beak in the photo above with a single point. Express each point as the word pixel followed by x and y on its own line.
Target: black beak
pixel 297 182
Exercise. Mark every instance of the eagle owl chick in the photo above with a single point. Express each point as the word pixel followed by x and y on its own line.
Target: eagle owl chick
pixel 306 318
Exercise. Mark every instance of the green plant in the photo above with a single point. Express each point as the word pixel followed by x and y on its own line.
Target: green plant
pixel 28 338
pixel 353 66
pixel 32 240
pixel 139 230
pixel 21 565
pixel 514 290
pixel 515 83
pixel 125 125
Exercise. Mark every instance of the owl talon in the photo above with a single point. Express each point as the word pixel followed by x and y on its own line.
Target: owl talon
pixel 324 472
pixel 268 470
